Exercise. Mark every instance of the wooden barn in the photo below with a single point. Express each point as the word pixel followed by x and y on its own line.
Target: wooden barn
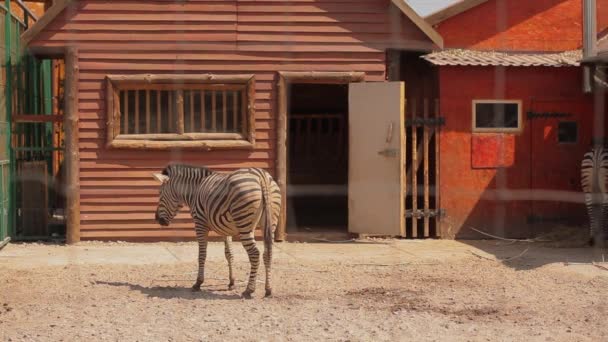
pixel 517 116
pixel 299 88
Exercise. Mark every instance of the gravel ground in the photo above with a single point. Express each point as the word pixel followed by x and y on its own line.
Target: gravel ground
pixel 373 291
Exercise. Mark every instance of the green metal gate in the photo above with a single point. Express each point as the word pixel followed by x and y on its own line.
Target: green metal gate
pixel 11 28
pixel 24 89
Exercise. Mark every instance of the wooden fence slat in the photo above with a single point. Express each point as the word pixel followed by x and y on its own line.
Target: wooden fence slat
pixel 235 111
pixel 125 113
pixel 170 106
pixel 137 112
pixel 158 112
pixel 192 129
pixel 224 112
pixel 414 168
pixel 437 192
pixel 213 112
pixel 148 111
pixel 203 114
pixel 426 168
pixel 179 102
pixel 405 182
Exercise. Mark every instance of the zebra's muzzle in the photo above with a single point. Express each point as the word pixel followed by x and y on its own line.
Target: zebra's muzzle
pixel 162 221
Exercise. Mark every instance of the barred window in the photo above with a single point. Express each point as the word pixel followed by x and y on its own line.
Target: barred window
pixel 180 111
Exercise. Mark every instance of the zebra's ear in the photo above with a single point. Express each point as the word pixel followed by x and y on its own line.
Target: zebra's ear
pixel 160 177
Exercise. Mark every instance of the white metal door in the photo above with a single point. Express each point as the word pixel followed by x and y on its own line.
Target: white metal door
pixel 376 158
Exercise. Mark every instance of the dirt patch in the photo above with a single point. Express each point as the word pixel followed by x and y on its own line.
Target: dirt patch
pixel 320 293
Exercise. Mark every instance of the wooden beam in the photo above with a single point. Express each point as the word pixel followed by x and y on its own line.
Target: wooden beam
pixel 47 18
pixel 36 118
pixel 453 10
pixel 185 136
pixel 207 145
pixel 72 157
pixel 423 25
pixel 182 79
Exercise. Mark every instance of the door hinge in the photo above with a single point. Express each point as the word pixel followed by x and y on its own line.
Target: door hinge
pixel 547 115
pixel 420 213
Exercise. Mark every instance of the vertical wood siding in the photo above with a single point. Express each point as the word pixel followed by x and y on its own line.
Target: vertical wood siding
pixel 118 194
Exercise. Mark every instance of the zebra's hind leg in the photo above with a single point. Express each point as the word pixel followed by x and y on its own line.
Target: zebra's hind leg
pixel 253 252
pixel 201 236
pixel 267 263
pixel 230 259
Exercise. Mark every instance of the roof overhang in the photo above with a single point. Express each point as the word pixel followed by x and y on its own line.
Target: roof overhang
pixel 60 5
pixel 452 10
pixel 462 57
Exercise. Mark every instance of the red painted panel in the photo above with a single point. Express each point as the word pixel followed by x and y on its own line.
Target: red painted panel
pixel 492 150
pixel 523 25
pixel 499 200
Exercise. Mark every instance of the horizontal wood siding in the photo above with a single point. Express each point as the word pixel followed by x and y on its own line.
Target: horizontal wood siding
pixel 118 194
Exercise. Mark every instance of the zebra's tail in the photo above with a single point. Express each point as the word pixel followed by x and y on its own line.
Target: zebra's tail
pixel 267 214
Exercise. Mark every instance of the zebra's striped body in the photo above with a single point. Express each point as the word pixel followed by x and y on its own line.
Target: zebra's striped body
pixel 229 204
pixel 594 181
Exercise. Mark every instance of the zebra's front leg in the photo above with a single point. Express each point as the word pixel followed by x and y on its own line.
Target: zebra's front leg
pixel 230 259
pixel 253 252
pixel 201 236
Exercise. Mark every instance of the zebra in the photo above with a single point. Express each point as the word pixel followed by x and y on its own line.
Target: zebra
pixel 594 181
pixel 229 204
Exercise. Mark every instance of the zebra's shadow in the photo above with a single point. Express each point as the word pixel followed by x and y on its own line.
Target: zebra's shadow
pixel 172 292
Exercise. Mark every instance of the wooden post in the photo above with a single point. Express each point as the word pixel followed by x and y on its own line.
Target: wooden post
pixel 414 168
pixel 282 156
pixel 425 158
pixel 438 232
pixel 71 146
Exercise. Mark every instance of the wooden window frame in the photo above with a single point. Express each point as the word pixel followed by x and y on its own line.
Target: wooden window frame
pixel 206 141
pixel 517 129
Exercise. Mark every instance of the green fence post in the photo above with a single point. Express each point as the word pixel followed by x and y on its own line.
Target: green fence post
pixel 9 107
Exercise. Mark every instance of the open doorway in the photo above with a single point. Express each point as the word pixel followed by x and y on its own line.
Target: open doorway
pixel 317 157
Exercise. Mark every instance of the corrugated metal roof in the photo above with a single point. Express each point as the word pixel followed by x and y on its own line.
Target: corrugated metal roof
pixel 494 58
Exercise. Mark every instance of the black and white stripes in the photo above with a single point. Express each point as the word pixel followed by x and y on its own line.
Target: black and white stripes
pixel 229 204
pixel 594 181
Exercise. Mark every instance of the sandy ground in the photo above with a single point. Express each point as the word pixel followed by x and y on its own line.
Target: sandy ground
pixel 367 291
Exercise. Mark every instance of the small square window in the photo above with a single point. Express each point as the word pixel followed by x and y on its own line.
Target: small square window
pixel 567 132
pixel 496 116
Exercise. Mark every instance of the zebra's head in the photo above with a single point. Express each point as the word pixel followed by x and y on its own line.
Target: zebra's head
pixel 170 201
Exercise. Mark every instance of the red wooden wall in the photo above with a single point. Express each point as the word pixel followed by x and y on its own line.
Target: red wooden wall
pixel 118 194
pixel 524 25
pixel 536 167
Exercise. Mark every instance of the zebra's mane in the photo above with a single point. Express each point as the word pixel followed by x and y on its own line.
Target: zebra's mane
pixel 176 169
